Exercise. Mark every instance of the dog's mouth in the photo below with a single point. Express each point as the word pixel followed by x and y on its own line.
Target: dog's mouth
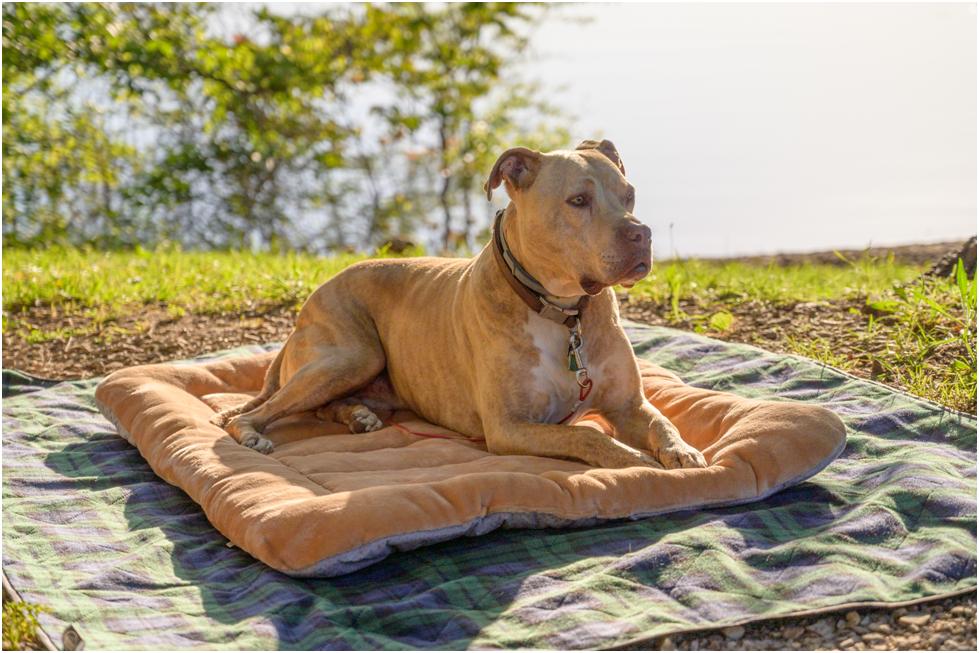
pixel 627 280
pixel 633 276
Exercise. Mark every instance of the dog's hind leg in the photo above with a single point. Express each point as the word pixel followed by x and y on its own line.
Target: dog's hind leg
pixel 359 411
pixel 329 373
pixel 353 413
pixel 270 385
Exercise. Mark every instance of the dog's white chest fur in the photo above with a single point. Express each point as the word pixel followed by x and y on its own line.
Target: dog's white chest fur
pixel 551 377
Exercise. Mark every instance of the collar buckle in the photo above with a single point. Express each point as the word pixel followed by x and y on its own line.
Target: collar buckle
pixel 555 312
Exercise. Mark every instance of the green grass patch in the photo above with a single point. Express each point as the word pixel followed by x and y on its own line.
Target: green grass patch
pixel 212 281
pixel 708 282
pixel 79 279
pixel 931 337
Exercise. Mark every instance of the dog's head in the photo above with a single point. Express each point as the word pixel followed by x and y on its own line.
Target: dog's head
pixel 574 230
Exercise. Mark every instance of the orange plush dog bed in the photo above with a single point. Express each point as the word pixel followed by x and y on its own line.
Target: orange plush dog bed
pixel 327 502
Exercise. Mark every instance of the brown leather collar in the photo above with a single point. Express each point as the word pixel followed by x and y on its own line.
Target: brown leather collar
pixel 530 297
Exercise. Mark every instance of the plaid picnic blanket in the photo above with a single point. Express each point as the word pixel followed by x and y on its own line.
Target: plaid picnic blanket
pixel 132 563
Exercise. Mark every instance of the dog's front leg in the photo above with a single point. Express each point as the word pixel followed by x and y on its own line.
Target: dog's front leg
pixel 638 424
pixel 525 438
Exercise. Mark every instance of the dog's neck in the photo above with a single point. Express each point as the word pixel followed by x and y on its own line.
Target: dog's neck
pixel 530 291
pixel 511 247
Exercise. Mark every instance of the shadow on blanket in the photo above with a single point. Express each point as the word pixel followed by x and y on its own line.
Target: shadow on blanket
pixel 327 502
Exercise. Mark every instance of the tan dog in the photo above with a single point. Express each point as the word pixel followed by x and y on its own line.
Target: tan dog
pixel 459 345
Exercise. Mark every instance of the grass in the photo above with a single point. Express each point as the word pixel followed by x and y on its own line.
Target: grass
pixel 20 624
pixel 928 317
pixel 912 323
pixel 80 280
pixel 204 282
pixel 712 282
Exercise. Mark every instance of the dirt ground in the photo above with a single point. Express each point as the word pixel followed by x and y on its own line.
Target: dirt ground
pixel 923 255
pixel 152 334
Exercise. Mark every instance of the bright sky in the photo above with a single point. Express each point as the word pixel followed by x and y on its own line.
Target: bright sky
pixel 758 128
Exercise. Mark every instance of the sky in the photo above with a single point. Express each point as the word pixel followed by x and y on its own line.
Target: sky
pixel 759 128
pixel 765 128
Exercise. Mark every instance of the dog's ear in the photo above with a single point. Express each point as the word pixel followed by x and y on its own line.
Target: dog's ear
pixel 518 166
pixel 606 148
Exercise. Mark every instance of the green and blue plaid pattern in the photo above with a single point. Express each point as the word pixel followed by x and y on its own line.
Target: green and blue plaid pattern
pixel 132 563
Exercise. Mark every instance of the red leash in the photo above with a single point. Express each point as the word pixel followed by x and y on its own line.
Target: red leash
pixel 429 435
pixel 583 393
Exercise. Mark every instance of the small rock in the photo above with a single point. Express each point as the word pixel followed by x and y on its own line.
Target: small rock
pixel 846 643
pixel 852 618
pixel 841 624
pixel 937 640
pixel 958 610
pixel 914 619
pixel 823 628
pixel 872 638
pixel 667 644
pixel 899 612
pixel 733 632
pixel 792 632
pixel 876 369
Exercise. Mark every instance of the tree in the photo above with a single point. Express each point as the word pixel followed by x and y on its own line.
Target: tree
pixel 131 122
pixel 462 89
pixel 62 169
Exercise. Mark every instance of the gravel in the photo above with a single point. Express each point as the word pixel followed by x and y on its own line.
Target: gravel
pixel 945 625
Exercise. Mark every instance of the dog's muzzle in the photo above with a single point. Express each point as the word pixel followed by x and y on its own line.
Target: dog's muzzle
pixel 635 242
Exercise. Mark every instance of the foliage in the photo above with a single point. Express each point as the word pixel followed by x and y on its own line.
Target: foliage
pixel 462 92
pixel 132 123
pixel 61 167
pixel 20 623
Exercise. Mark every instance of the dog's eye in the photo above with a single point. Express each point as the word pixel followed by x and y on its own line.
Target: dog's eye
pixel 631 195
pixel 580 200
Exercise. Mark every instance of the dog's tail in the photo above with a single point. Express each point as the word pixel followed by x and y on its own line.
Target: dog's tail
pixel 269 388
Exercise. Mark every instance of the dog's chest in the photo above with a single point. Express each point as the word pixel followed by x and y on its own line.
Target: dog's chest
pixel 555 389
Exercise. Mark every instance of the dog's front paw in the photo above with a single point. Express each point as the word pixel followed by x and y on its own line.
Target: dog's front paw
pixel 670 449
pixel 363 420
pixel 679 455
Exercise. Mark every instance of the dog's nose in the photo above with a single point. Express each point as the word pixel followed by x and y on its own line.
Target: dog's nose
pixel 637 233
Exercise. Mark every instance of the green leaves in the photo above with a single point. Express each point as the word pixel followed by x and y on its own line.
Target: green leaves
pixel 213 137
